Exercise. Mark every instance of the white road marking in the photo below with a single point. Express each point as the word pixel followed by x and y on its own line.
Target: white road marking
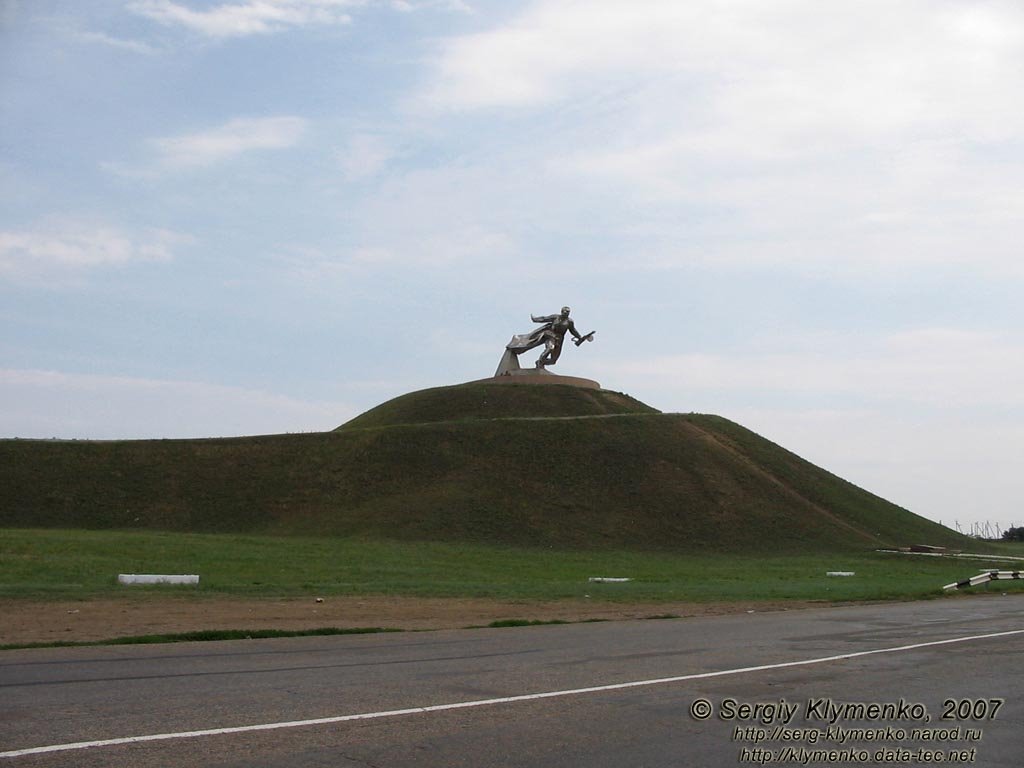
pixel 488 702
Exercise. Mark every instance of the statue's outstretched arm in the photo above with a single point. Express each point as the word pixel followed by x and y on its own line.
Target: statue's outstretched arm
pixel 543 318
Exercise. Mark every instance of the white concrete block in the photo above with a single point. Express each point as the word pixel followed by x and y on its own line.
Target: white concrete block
pixel 156 578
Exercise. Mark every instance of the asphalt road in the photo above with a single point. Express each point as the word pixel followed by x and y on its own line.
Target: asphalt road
pixel 621 694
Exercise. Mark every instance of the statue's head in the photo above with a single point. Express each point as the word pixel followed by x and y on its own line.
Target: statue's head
pixel 565 311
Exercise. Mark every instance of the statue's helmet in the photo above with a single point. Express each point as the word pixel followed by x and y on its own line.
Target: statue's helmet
pixel 565 310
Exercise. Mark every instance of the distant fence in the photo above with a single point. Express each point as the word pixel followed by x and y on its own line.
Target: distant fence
pixel 982 530
pixel 981 578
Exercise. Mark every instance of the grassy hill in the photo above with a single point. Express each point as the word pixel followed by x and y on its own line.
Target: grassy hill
pixel 584 468
pixel 467 402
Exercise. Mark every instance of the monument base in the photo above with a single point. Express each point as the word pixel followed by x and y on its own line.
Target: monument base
pixel 539 376
pixel 510 372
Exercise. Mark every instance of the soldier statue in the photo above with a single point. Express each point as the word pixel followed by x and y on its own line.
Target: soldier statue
pixel 550 333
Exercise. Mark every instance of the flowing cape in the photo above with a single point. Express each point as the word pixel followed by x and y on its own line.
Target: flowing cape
pixel 524 341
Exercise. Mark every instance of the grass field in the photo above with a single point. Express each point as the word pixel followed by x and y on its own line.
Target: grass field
pixel 65 564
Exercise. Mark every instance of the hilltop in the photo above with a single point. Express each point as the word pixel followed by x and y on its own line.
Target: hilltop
pixel 486 400
pixel 548 465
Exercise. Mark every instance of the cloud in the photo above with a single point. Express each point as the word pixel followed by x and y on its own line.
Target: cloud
pixel 868 136
pixel 433 217
pixel 364 156
pixel 539 55
pixel 228 141
pixel 926 367
pixel 799 66
pixel 74 248
pixel 87 406
pixel 748 79
pixel 411 6
pixel 250 17
pixel 135 46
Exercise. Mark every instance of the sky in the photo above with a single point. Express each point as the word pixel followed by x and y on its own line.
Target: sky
pixel 237 217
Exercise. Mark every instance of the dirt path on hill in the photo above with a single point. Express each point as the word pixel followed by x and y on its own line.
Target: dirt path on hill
pixel 29 621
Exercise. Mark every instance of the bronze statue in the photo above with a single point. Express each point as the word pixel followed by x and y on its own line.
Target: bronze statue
pixel 551 334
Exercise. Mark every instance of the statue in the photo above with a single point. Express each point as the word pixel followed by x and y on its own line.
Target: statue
pixel 551 334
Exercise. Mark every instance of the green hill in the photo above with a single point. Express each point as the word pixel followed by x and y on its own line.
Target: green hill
pixel 484 400
pixel 519 464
